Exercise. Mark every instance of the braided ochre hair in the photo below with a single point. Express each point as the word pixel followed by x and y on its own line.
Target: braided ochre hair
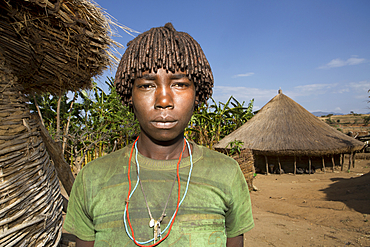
pixel 164 47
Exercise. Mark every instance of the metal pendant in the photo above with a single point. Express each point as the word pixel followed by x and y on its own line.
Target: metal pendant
pixel 157 231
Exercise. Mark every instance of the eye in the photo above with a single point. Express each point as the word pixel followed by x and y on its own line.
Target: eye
pixel 181 84
pixel 146 86
pixel 178 84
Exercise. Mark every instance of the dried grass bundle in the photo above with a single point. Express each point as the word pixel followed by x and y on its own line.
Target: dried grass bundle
pixel 30 200
pixel 54 46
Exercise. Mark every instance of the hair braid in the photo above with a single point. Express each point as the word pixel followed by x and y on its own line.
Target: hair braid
pixel 164 47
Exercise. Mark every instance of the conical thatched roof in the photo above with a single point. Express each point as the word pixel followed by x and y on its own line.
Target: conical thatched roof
pixel 53 45
pixel 283 127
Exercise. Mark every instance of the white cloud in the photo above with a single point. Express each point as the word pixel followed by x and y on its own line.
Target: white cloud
pixel 244 92
pixel 337 97
pixel 312 89
pixel 362 86
pixel 340 63
pixel 360 89
pixel 342 90
pixel 260 96
pixel 355 60
pixel 243 75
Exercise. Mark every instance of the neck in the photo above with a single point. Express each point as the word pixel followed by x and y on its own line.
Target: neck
pixel 161 150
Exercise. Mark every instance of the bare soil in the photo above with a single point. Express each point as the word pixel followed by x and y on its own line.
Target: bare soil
pixel 321 209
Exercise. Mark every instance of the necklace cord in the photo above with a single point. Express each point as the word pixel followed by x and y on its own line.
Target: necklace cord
pixel 146 201
pixel 178 198
pixel 129 186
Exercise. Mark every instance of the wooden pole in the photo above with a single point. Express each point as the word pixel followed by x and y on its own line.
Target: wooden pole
pixel 353 159
pixel 38 110
pixel 332 161
pixel 61 166
pixel 309 165
pixel 279 165
pixel 350 161
pixel 58 118
pixel 295 165
pixel 323 164
pixel 267 166
pixel 342 162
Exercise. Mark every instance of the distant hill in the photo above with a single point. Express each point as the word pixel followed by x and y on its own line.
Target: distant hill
pixel 356 123
pixel 320 113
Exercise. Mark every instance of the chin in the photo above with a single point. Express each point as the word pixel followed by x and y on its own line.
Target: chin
pixel 167 138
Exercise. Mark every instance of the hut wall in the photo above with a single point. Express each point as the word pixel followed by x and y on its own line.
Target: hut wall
pixel 287 163
pixel 246 162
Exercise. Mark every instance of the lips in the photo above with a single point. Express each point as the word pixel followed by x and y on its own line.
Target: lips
pixel 164 122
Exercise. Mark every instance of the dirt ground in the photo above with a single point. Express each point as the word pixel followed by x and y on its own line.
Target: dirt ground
pixel 321 209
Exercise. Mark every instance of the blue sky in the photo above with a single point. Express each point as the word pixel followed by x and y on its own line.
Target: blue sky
pixel 317 52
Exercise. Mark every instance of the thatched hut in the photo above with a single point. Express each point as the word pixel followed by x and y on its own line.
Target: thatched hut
pixel 286 137
pixel 45 46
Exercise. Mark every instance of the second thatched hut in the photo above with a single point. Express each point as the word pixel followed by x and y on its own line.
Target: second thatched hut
pixel 286 137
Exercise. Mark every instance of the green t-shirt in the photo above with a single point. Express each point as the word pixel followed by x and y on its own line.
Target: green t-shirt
pixel 217 205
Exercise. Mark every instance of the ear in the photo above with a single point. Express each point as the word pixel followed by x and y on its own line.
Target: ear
pixel 196 102
pixel 130 105
pixel 131 86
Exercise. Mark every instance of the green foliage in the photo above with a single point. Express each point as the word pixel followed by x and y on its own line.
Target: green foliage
pixel 210 123
pixel 366 120
pixel 48 105
pixel 329 121
pixel 235 147
pixel 95 124
pixel 106 115
pixel 354 114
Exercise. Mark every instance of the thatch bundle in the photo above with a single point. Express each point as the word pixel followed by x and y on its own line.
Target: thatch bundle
pixel 45 46
pixel 54 46
pixel 283 127
pixel 30 200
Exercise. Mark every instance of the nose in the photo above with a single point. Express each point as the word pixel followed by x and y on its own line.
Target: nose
pixel 164 98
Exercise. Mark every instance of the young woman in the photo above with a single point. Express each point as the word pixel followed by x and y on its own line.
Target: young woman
pixel 161 190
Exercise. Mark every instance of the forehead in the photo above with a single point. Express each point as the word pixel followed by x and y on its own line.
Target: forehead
pixel 162 73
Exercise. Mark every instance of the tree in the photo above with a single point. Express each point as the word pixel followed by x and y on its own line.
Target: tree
pixel 95 124
pixel 210 123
